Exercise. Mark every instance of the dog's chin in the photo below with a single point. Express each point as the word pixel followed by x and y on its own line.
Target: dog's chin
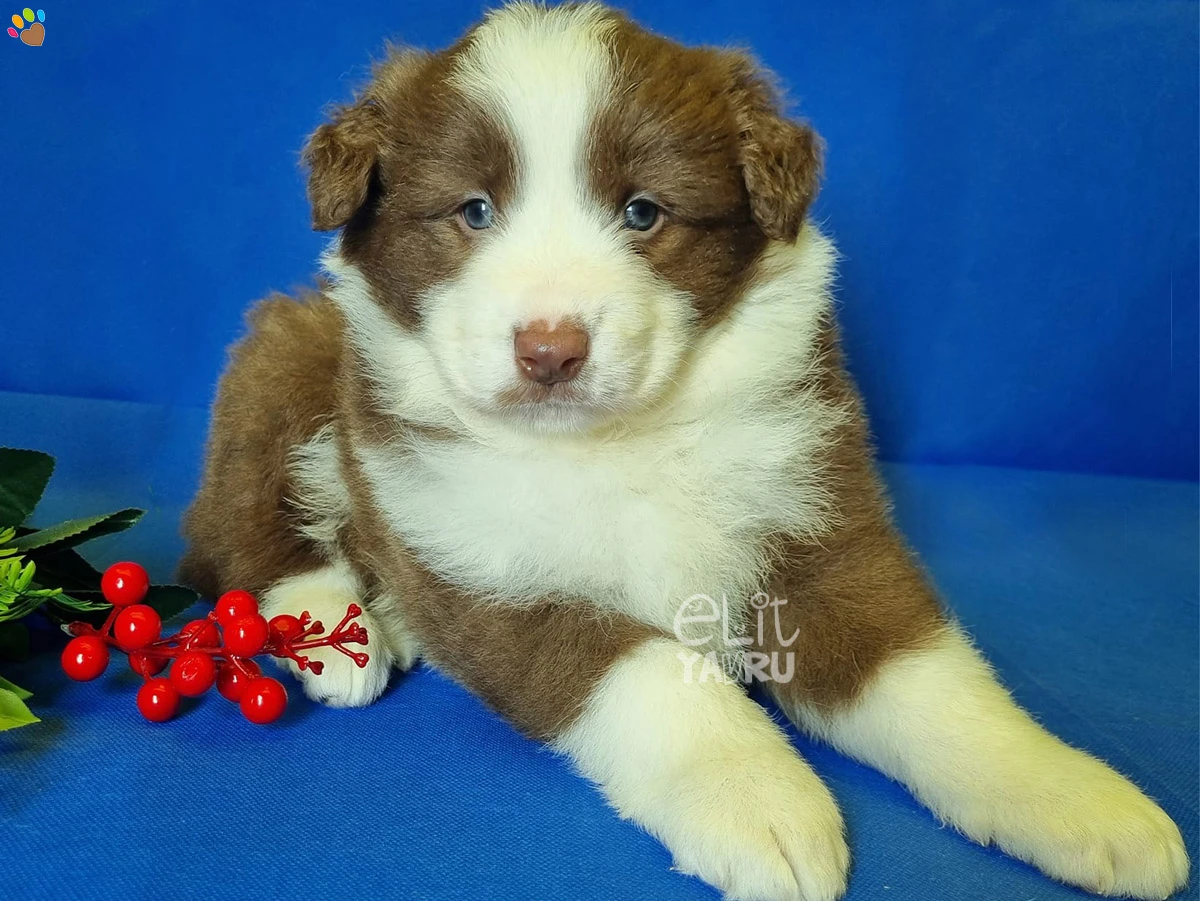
pixel 551 409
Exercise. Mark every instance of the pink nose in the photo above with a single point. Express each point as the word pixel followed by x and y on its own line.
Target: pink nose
pixel 550 355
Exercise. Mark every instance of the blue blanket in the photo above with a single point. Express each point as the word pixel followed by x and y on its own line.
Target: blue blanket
pixel 1081 589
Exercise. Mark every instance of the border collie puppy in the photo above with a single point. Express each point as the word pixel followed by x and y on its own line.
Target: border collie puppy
pixel 569 419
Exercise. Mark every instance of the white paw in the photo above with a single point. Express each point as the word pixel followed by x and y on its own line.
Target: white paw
pixel 758 830
pixel 705 770
pixel 1086 825
pixel 342 682
pixel 325 594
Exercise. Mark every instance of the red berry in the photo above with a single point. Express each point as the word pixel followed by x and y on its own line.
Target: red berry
pixel 84 658
pixel 232 680
pixel 246 636
pixel 136 626
pixel 157 700
pixel 193 673
pixel 147 664
pixel 264 701
pixel 234 605
pixel 200 633
pixel 124 583
pixel 284 628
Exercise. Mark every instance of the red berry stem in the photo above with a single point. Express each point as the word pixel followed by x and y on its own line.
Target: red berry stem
pixel 230 637
pixel 345 633
pixel 108 621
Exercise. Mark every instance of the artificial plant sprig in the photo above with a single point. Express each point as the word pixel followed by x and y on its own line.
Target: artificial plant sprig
pixel 40 569
pixel 19 595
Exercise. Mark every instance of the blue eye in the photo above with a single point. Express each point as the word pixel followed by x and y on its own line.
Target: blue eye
pixel 477 214
pixel 642 215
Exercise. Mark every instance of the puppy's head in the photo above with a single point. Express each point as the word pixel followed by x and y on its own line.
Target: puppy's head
pixel 538 223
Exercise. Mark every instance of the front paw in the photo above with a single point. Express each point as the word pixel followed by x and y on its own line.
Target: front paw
pixel 703 768
pixel 758 830
pixel 325 595
pixel 342 682
pixel 1082 823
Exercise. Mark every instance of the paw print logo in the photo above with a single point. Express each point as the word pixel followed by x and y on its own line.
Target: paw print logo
pixel 28 27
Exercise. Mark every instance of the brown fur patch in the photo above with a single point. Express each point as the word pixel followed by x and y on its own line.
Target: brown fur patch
pixel 857 597
pixel 781 159
pixel 395 167
pixel 699 131
pixel 341 157
pixel 277 391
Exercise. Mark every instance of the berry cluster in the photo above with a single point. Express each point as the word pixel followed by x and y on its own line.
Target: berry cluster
pixel 217 650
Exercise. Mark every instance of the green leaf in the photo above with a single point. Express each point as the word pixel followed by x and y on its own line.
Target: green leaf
pixel 82 601
pixel 19 607
pixel 13 712
pixel 23 478
pixel 21 693
pixel 65 569
pixel 76 531
pixel 170 600
pixel 60 615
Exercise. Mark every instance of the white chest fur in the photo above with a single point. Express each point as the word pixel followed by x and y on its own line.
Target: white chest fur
pixel 635 525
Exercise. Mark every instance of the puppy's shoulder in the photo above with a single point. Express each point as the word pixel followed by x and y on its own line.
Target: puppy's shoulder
pixel 305 328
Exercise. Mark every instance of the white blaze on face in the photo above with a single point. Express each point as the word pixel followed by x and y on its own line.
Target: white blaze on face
pixel 556 252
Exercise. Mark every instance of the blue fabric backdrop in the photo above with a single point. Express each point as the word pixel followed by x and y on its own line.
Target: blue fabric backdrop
pixel 1013 186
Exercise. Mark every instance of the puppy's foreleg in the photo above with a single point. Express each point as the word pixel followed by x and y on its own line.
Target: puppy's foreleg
pixel 701 766
pixel 937 720
pixel 691 759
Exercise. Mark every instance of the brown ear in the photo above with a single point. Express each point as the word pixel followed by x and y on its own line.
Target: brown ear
pixel 781 159
pixel 341 157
